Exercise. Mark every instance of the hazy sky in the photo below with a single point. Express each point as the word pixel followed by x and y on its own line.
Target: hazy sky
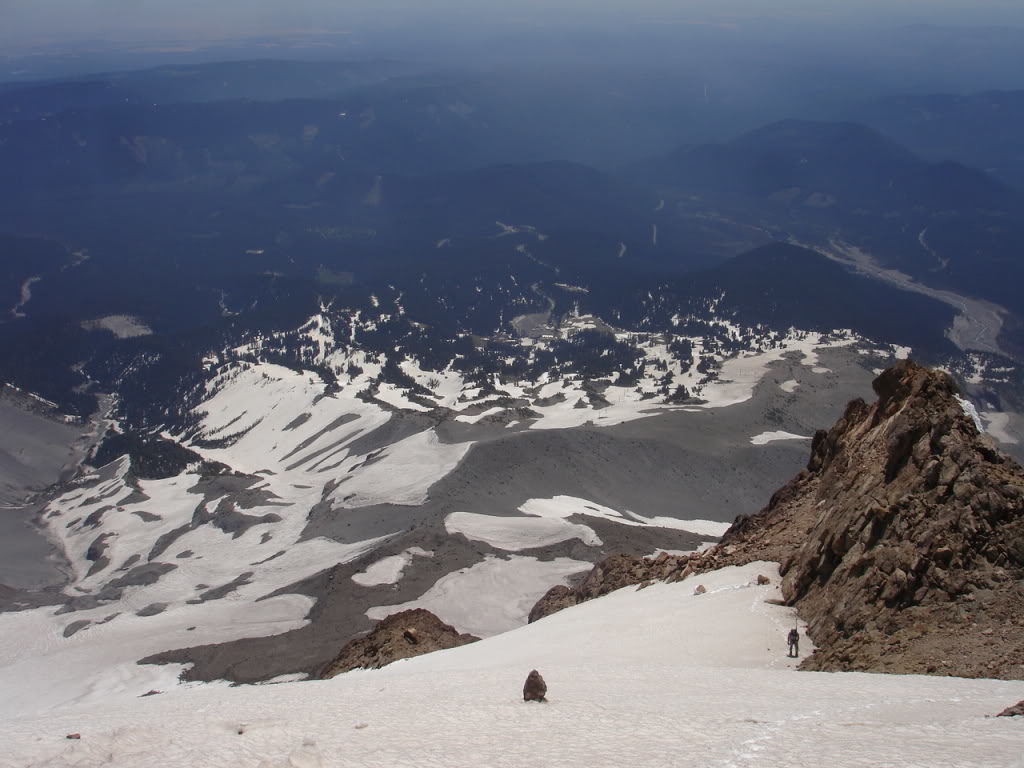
pixel 25 21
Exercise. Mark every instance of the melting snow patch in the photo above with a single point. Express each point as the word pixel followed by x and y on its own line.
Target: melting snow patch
pixel 517 533
pixel 122 326
pixel 388 570
pixel 770 437
pixel 566 506
pixel 971 411
pixel 789 386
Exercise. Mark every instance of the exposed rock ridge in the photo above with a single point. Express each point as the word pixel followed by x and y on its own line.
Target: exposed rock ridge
pixel 400 636
pixel 901 543
pixel 620 571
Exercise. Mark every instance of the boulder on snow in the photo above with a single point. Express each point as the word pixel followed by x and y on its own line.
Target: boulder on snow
pixel 700 590
pixel 762 580
pixel 555 599
pixel 1017 710
pixel 535 688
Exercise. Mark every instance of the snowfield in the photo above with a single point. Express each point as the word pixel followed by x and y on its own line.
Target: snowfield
pixel 656 676
pixel 491 597
pixel 388 570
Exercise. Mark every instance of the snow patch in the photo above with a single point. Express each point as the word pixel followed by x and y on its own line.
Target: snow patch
pixel 770 437
pixel 389 570
pixel 970 411
pixel 517 533
pixel 561 507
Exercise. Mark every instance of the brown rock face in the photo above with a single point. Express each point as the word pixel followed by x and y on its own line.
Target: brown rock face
pixel 399 636
pixel 902 543
pixel 535 689
pixel 1017 710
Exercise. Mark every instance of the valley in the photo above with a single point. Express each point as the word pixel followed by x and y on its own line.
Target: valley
pixel 978 323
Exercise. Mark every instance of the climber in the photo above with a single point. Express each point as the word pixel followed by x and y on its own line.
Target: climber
pixel 794 643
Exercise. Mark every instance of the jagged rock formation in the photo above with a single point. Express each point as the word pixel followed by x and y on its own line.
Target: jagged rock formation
pixel 901 543
pixel 400 636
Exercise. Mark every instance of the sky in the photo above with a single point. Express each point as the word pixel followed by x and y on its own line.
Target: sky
pixel 27 21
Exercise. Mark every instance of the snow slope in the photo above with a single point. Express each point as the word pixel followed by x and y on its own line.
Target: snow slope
pixel 164 579
pixel 657 676
pixel 281 422
pixel 491 597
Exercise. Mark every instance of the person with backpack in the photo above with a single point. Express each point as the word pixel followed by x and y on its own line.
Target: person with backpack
pixel 794 643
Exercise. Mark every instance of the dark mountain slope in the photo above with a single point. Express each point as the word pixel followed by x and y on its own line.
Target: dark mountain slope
pixel 834 158
pixel 784 286
pixel 943 223
pixel 981 129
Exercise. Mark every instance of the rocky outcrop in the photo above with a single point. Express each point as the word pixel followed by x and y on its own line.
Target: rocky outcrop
pixel 1017 710
pixel 400 636
pixel 902 542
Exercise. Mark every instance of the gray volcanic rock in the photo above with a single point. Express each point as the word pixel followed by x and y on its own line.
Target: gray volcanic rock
pixel 76 626
pixel 152 609
pixel 902 543
pixel 400 636
pixel 142 575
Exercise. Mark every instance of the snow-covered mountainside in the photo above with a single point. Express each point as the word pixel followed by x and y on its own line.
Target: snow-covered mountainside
pixel 315 499
pixel 652 675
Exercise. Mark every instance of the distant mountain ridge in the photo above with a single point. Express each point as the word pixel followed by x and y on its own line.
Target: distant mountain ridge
pixel 978 129
pixel 943 223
